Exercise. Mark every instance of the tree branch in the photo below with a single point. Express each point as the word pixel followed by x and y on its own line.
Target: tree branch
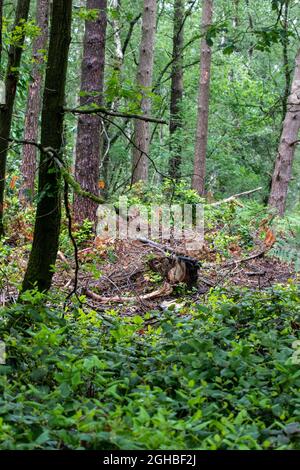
pixel 106 112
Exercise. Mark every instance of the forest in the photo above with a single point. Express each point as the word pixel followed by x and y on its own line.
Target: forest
pixel 149 225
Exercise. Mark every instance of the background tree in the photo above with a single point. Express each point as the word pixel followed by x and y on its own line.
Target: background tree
pixel 198 182
pixel 48 215
pixel 31 133
pixel 176 89
pixel 11 82
pixel 89 128
pixel 144 82
pixel 288 141
pixel 1 15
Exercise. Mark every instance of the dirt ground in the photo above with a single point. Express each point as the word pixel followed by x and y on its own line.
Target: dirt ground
pixel 121 269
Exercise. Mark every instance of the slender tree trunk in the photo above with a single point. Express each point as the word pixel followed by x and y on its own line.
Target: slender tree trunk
pixel 288 78
pixel 286 151
pixel 11 82
pixel 285 47
pixel 117 60
pixel 198 182
pixel 251 27
pixel 118 56
pixel 48 215
pixel 88 146
pixel 144 81
pixel 236 14
pixel 1 15
pixel 33 105
pixel 176 89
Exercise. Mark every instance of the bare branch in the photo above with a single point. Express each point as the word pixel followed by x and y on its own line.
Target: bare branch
pixel 106 112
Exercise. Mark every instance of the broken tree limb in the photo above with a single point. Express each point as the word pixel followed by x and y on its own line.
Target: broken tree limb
pixel 102 110
pixel 259 254
pixel 235 196
pixel 165 290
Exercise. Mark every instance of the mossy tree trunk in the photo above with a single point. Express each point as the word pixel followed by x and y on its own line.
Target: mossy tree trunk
pixel 48 215
pixel 6 111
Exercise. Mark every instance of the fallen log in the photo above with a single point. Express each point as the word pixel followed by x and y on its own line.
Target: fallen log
pixel 165 290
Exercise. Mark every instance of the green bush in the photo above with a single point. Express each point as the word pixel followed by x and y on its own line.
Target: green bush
pixel 214 376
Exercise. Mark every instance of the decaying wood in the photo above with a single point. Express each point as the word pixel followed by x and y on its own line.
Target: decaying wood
pixel 165 290
pixel 175 267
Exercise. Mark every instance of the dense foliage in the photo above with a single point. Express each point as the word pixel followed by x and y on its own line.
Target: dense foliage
pixel 247 92
pixel 104 349
pixel 218 375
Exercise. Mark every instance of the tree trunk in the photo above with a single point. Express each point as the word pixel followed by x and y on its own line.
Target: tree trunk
pixel 198 182
pixel 251 28
pixel 285 48
pixel 118 62
pixel 33 105
pixel 287 145
pixel 1 15
pixel 118 56
pixel 88 146
pixel 47 223
pixel 144 81
pixel 176 90
pixel 6 111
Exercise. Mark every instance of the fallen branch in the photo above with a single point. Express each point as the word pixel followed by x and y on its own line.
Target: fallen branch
pixel 166 289
pixel 62 258
pixel 235 196
pixel 102 110
pixel 259 254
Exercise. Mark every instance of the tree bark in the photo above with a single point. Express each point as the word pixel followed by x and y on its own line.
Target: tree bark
pixel 118 56
pixel 176 90
pixel 6 111
pixel 48 215
pixel 287 145
pixel 1 15
pixel 144 82
pixel 285 48
pixel 198 182
pixel 28 167
pixel 88 145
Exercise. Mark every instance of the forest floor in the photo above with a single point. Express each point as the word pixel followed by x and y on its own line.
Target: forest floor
pixel 123 274
pixel 136 361
pixel 124 271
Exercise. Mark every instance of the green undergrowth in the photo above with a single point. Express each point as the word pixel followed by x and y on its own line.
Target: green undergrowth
pixel 216 375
